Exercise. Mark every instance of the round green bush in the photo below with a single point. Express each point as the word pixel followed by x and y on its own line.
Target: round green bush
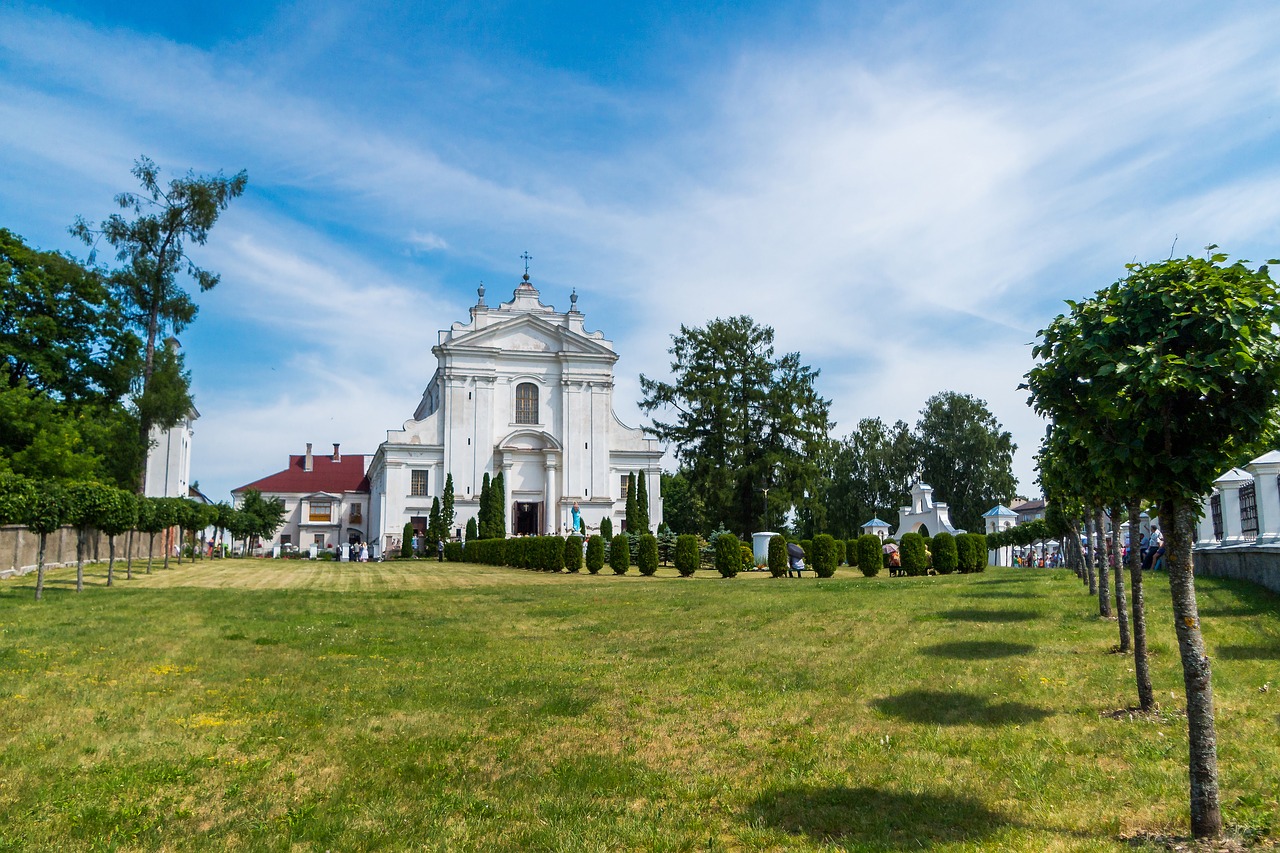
pixel 595 554
pixel 777 556
pixel 912 554
pixel 870 555
pixel 552 553
pixel 647 554
pixel 687 556
pixel 573 554
pixel 620 554
pixel 748 557
pixel 945 556
pixel 728 555
pixel 851 553
pixel 824 555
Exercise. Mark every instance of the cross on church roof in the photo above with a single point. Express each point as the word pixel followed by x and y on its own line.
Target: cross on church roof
pixel 527 257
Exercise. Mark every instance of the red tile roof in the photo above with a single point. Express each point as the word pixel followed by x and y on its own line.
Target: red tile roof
pixel 345 475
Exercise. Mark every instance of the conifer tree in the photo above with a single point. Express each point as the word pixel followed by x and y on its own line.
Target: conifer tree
pixel 642 502
pixel 633 523
pixel 434 529
pixel 447 514
pixel 606 528
pixel 483 522
pixel 498 510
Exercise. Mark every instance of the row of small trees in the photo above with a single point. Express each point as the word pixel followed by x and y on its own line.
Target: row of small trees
pixel 45 507
pixel 559 553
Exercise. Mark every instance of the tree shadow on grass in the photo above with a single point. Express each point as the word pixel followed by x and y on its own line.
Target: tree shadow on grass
pixel 940 708
pixel 975 615
pixel 1248 652
pixel 875 819
pixel 1000 593
pixel 977 650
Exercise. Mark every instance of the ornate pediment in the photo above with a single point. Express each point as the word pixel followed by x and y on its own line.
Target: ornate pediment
pixel 529 333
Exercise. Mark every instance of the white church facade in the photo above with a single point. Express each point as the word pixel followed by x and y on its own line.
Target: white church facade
pixel 525 391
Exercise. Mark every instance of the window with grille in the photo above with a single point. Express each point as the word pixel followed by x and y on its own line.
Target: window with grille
pixel 320 511
pixel 418 483
pixel 1215 507
pixel 526 403
pixel 626 484
pixel 1249 510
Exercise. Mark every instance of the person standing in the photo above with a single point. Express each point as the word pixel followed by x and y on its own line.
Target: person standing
pixel 440 550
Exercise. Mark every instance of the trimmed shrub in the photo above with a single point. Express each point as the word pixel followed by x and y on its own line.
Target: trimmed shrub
pixel 945 556
pixel 647 554
pixel 870 555
pixel 851 553
pixel 728 555
pixel 824 555
pixel 777 556
pixel 620 554
pixel 513 552
pixel 840 553
pixel 748 557
pixel 595 554
pixel 453 552
pixel 911 552
pixel 687 556
pixel 573 554
pixel 606 528
pixel 406 543
pixel 471 529
pixel 807 545
pixel 972 552
pixel 552 553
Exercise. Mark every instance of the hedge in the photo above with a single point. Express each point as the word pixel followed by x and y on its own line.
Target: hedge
pixel 728 555
pixel 777 556
pixel 647 554
pixel 620 554
pixel 945 556
pixel 687 556
pixel 573 554
pixel 453 552
pixel 595 554
pixel 870 554
pixel 911 554
pixel 824 555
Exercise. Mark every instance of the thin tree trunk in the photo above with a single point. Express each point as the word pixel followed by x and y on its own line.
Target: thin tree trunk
pixel 111 558
pixel 182 535
pixel 1122 606
pixel 168 546
pixel 1104 582
pixel 1089 553
pixel 1206 816
pixel 1146 699
pixel 128 556
pixel 151 549
pixel 40 568
pixel 80 559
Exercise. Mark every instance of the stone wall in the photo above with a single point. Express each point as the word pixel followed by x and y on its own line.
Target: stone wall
pixel 20 548
pixel 1257 563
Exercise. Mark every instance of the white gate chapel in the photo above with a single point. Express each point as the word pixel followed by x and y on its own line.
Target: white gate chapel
pixel 526 391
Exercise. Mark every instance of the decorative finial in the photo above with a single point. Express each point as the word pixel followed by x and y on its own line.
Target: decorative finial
pixel 527 257
pixel 480 290
pixel 573 299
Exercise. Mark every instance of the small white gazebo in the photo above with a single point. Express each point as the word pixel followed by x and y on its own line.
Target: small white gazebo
pixel 877 527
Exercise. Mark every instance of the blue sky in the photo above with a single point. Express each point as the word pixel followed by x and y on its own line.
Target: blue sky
pixel 906 192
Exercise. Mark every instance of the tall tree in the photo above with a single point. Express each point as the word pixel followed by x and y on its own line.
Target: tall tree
pixel 1167 377
pixel 642 501
pixel 484 515
pixel 152 247
pixel 498 506
pixel 870 474
pixel 681 508
pixel 448 516
pixel 965 455
pixel 740 417
pixel 632 514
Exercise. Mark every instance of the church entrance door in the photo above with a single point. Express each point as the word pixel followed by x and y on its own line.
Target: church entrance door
pixel 528 518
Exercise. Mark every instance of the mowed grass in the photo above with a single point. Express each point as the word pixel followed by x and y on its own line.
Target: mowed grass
pixel 274 705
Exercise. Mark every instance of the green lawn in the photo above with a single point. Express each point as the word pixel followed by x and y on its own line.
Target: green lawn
pixel 286 705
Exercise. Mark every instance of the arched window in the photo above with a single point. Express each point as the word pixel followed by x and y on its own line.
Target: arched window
pixel 526 403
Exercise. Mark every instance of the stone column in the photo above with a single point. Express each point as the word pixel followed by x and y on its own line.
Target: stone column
pixel 1265 470
pixel 552 523
pixel 1228 486
pixel 1204 530
pixel 507 504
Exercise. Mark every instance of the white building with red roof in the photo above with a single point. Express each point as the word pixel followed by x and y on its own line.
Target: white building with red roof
pixel 525 391
pixel 325 496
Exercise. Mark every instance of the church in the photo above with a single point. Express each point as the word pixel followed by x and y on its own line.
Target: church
pixel 525 391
